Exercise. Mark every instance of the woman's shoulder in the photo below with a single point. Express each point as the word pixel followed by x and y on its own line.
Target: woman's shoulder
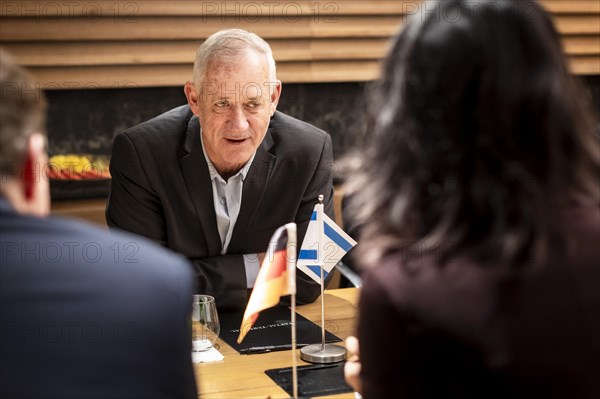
pixel 400 276
pixel 421 283
pixel 580 228
pixel 583 219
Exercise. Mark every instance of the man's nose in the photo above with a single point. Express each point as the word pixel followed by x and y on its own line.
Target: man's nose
pixel 238 121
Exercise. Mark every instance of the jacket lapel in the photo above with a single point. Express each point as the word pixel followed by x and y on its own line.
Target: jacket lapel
pixel 197 179
pixel 255 185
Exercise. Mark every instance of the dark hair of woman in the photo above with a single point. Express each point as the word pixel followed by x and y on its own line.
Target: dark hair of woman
pixel 479 135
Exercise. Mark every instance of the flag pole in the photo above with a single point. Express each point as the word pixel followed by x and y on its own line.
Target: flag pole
pixel 291 269
pixel 322 353
pixel 321 262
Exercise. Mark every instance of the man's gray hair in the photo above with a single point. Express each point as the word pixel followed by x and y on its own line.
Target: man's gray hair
pixel 230 43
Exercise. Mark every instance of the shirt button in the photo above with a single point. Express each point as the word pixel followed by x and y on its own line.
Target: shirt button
pixel 222 201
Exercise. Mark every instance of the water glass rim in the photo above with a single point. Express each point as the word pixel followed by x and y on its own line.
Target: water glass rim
pixel 202 298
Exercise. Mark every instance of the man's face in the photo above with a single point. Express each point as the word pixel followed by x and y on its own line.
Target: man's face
pixel 234 107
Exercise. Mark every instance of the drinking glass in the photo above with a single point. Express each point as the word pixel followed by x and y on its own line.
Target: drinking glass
pixel 205 323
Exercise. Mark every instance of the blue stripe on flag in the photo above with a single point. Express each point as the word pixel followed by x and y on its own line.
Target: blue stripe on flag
pixel 308 254
pixel 313 216
pixel 338 239
pixel 317 270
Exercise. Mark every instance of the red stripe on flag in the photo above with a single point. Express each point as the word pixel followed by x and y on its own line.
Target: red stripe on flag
pixel 277 266
pixel 271 282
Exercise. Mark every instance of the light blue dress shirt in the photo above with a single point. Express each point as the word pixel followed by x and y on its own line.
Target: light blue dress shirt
pixel 227 200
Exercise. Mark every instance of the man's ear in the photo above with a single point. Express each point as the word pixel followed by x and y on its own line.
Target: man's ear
pixel 192 95
pixel 36 191
pixel 275 96
pixel 28 170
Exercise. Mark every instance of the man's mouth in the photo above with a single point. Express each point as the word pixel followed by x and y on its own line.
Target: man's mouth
pixel 235 141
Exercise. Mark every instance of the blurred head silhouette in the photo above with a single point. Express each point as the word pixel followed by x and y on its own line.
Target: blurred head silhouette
pixel 478 134
pixel 23 155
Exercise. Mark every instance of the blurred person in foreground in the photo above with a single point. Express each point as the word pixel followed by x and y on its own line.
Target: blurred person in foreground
pixel 479 198
pixel 83 313
pixel 213 179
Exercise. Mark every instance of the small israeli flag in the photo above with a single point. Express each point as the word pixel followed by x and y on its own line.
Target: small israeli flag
pixel 325 243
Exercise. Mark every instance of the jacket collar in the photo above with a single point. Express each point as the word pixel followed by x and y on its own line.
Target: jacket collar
pixel 198 181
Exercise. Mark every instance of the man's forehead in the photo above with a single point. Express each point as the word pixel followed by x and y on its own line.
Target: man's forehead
pixel 245 61
pixel 233 89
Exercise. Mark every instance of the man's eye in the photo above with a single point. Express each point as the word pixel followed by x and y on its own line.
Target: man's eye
pixel 221 104
pixel 253 105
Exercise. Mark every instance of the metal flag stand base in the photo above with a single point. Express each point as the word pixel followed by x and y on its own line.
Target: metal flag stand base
pixel 317 353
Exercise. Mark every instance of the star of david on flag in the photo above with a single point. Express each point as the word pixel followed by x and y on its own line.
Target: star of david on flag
pixel 325 243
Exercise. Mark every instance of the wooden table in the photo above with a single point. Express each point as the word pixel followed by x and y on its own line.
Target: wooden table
pixel 243 376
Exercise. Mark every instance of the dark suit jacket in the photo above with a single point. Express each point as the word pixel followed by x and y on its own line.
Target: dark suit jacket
pixel 161 189
pixel 89 314
pixel 464 331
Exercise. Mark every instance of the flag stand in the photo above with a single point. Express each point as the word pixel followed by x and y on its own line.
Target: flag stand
pixel 322 353
pixel 291 267
pixel 294 361
pixel 271 279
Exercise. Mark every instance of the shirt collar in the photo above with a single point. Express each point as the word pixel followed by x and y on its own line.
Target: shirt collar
pixel 213 171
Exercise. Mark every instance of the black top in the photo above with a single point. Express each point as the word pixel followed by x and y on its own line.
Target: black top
pixel 464 331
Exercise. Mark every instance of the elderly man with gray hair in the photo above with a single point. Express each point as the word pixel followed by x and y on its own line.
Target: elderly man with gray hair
pixel 213 179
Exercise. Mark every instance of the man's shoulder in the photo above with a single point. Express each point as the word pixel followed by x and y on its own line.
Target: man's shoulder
pixel 171 122
pixel 283 127
pixel 68 243
pixel 281 120
pixel 116 242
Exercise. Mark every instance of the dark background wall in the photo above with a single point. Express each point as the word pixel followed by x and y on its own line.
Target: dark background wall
pixel 86 121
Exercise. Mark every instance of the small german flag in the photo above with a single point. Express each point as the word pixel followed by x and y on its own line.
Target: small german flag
pixel 271 283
